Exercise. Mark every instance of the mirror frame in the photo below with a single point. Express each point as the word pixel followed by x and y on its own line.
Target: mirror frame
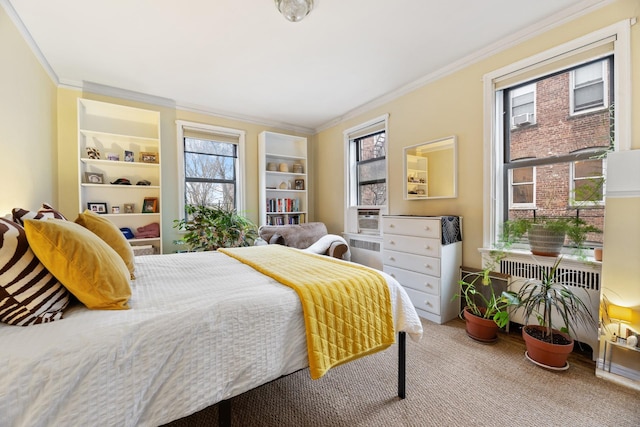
pixel 450 142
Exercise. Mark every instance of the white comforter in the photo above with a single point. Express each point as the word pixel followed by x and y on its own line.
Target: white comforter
pixel 202 327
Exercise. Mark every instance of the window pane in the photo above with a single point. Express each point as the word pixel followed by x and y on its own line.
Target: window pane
pixel 209 147
pixel 588 168
pixel 371 147
pixel 588 73
pixel 209 167
pixel 589 96
pixel 209 194
pixel 372 194
pixel 523 193
pixel 371 171
pixel 522 175
pixel 589 190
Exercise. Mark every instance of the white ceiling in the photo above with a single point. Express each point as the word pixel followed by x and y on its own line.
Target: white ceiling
pixel 242 59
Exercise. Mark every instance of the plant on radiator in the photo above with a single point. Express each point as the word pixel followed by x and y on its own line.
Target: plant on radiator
pixel 209 228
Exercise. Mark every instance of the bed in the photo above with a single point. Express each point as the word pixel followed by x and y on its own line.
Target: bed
pixel 203 327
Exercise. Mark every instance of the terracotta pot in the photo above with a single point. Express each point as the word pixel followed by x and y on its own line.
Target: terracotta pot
pixel 480 329
pixel 552 355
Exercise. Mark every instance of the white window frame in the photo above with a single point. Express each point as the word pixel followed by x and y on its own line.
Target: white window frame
pixel 513 205
pixel 203 128
pixel 493 144
pixel 351 184
pixel 572 90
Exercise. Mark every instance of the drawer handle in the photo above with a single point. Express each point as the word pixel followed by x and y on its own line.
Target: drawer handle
pixel 428 266
pixel 427 247
pixel 427 303
pixel 426 227
pixel 427 285
pixel 392 258
pixel 391 242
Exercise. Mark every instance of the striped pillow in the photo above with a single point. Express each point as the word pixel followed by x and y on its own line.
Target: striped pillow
pixel 29 294
pixel 45 212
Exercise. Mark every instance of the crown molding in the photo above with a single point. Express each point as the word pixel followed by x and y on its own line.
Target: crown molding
pixel 583 8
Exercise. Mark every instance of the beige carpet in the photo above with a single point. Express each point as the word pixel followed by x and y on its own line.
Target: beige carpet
pixel 451 381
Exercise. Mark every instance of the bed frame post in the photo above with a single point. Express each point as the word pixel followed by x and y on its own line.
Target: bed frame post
pixel 402 363
pixel 224 413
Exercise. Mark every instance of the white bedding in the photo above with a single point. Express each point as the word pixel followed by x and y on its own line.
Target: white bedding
pixel 202 327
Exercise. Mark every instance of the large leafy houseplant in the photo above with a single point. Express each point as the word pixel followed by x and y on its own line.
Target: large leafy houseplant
pixel 558 309
pixel 209 228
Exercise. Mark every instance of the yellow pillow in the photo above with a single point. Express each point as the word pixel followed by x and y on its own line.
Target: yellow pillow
pixel 111 234
pixel 88 267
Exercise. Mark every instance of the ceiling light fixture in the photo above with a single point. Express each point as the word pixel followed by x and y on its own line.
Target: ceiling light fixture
pixel 294 10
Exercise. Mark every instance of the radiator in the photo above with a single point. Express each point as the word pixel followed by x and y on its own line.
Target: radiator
pixel 583 277
pixel 365 250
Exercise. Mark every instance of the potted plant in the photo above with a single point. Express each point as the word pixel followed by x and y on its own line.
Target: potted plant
pixel 558 310
pixel 484 311
pixel 209 228
pixel 546 236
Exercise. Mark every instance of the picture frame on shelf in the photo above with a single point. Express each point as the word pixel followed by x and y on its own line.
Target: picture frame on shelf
pixel 113 157
pixel 97 207
pixel 115 209
pixel 150 205
pixel 93 153
pixel 299 184
pixel 128 156
pixel 129 208
pixel 148 157
pixel 93 178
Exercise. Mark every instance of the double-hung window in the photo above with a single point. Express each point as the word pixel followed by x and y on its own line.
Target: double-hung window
pixel 210 160
pixel 576 95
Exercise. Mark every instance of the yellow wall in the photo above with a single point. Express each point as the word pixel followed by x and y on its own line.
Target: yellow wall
pixel 27 125
pixel 451 106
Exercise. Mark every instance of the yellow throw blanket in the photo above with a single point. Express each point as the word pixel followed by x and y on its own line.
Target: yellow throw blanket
pixel 347 308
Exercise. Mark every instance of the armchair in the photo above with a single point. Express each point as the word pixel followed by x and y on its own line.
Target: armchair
pixel 311 236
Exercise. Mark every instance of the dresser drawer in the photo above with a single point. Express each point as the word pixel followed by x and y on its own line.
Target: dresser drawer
pixel 417 263
pixel 413 280
pixel 419 227
pixel 415 245
pixel 424 301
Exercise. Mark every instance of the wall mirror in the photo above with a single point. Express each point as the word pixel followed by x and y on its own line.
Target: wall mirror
pixel 430 170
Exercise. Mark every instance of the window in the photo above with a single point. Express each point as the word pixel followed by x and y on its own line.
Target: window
pixel 523 188
pixel 523 105
pixel 557 167
pixel 371 169
pixel 588 87
pixel 365 170
pixel 210 160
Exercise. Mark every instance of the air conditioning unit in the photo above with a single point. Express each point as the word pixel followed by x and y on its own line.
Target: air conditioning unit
pixel 522 119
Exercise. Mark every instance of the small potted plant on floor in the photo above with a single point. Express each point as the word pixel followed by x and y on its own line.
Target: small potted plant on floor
pixel 209 228
pixel 559 311
pixel 485 311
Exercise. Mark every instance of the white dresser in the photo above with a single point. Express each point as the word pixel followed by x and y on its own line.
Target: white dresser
pixel 428 269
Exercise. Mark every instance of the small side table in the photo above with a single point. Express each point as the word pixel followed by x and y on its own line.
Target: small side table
pixel 613 345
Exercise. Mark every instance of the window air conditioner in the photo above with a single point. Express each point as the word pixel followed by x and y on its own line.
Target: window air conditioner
pixel 522 119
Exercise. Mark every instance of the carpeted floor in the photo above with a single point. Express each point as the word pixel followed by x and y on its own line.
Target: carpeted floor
pixel 451 381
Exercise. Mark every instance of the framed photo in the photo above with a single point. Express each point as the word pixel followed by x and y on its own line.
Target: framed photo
pixel 113 156
pixel 129 208
pixel 148 157
pixel 128 156
pixel 93 178
pixel 115 209
pixel 99 208
pixel 299 184
pixel 150 205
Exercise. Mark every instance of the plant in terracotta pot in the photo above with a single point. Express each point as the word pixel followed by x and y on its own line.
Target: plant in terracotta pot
pixel 485 311
pixel 209 228
pixel 558 310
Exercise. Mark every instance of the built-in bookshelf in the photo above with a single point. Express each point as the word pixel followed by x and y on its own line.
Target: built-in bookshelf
pixel 283 180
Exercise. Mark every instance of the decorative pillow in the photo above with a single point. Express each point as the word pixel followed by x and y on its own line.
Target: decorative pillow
pixel 88 267
pixel 111 234
pixel 29 294
pixel 45 212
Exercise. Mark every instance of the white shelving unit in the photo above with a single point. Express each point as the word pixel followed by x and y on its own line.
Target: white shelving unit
pixel 114 129
pixel 282 163
pixel 417 177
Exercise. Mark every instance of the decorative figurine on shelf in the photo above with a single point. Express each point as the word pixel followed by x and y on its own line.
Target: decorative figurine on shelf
pixel 93 153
